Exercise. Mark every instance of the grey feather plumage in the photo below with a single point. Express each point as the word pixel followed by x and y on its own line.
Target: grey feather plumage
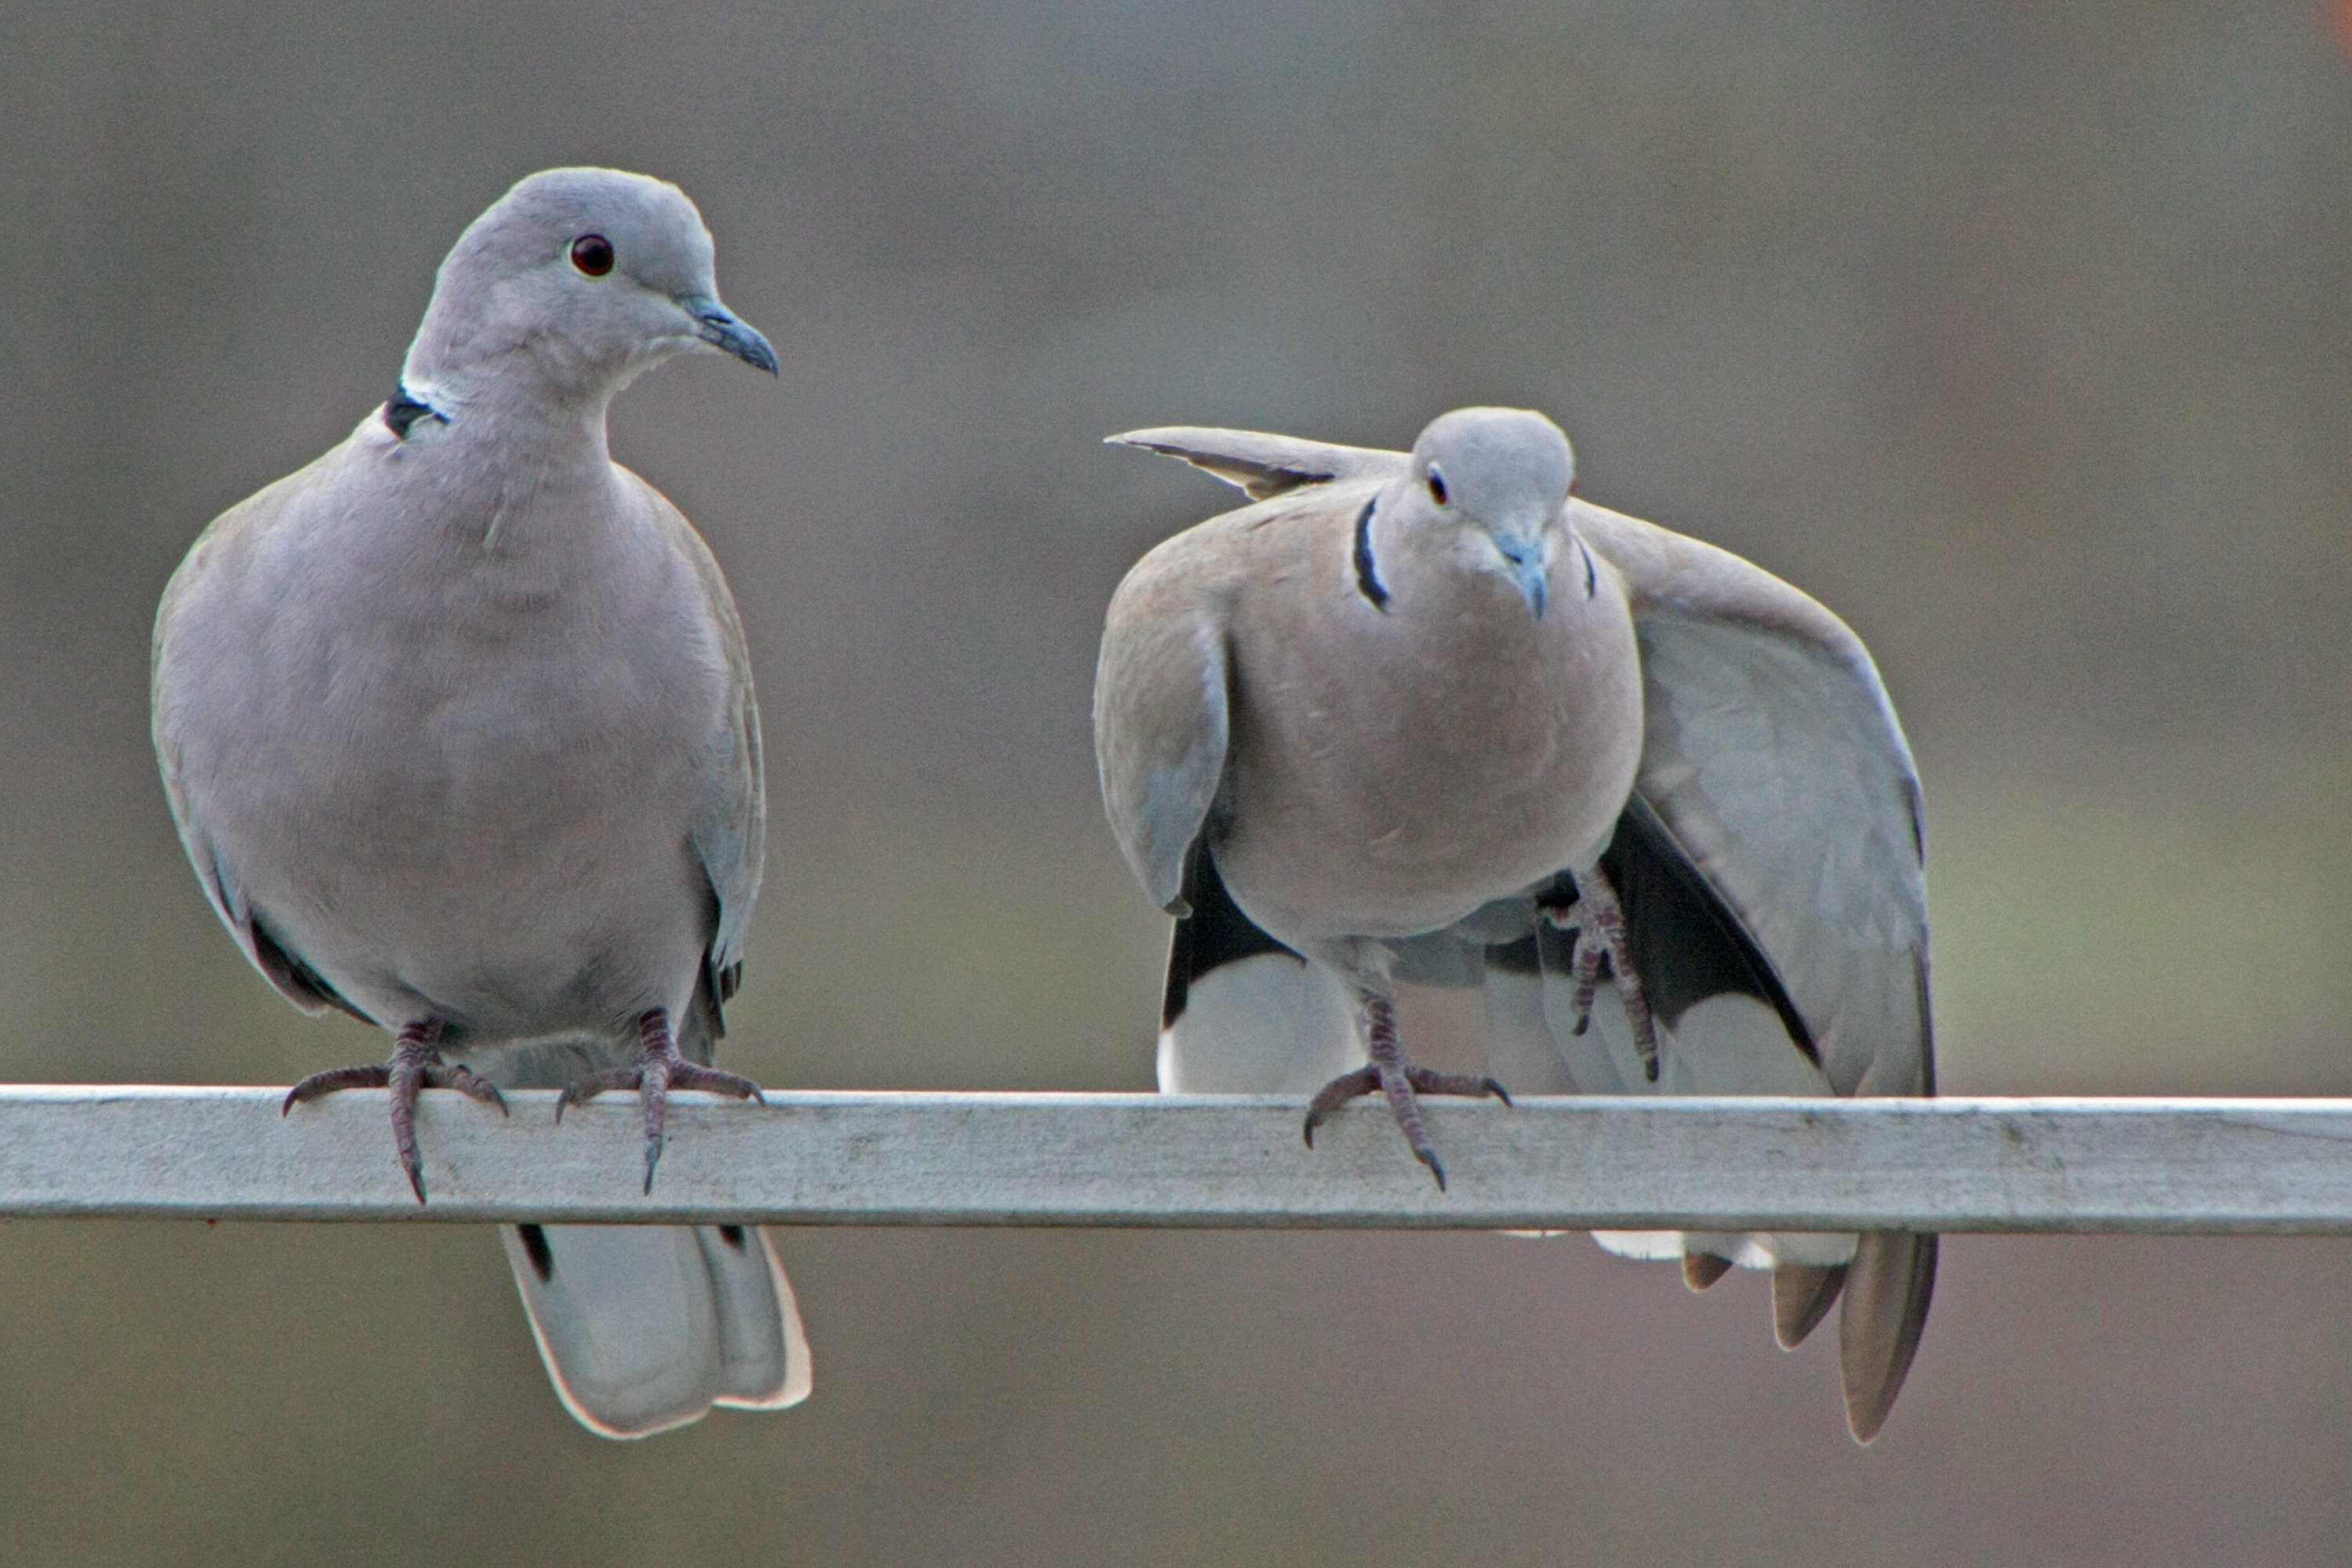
pixel 1763 799
pixel 459 728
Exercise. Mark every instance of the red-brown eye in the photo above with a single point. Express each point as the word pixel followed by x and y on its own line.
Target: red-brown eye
pixel 592 254
pixel 1437 486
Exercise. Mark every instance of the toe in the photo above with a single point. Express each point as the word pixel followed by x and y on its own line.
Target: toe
pixel 373 1075
pixel 582 1090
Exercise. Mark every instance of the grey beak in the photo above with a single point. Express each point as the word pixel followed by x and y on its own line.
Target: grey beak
pixel 1527 571
pixel 723 330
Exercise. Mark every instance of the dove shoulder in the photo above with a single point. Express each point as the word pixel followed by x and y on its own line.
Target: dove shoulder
pixel 1163 703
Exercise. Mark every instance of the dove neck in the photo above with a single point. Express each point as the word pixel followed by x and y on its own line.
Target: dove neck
pixel 511 420
pixel 498 449
pixel 543 393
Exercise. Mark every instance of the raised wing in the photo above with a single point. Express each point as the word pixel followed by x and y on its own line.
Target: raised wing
pixel 1772 755
pixel 1263 465
pixel 1161 702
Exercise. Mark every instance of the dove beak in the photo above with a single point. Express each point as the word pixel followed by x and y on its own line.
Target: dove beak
pixel 725 331
pixel 1528 564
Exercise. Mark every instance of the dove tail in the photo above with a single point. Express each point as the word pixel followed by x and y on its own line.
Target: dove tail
pixel 1886 1295
pixel 643 1327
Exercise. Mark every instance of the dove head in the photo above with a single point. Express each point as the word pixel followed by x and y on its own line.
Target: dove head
pixel 1499 478
pixel 575 282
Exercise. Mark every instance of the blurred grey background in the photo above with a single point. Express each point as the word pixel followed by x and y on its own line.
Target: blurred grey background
pixel 2018 333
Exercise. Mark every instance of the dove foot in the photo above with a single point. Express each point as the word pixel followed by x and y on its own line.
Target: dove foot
pixel 659 1069
pixel 1598 920
pixel 1389 1074
pixel 415 1066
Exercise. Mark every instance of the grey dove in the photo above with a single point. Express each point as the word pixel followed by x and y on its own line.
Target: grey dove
pixel 458 731
pixel 1429 718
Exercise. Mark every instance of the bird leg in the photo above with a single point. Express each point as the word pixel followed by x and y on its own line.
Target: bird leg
pixel 1399 1080
pixel 659 1069
pixel 415 1066
pixel 1598 919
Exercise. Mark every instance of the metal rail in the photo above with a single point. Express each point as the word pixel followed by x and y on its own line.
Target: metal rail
pixel 2176 1166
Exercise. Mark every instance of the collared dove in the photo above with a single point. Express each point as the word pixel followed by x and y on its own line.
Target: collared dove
pixel 1429 718
pixel 458 727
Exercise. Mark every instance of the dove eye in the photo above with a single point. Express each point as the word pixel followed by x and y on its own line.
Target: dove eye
pixel 1437 486
pixel 592 254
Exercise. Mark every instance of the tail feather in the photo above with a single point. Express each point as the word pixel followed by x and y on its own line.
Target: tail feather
pixel 1887 1296
pixel 763 1355
pixel 645 1328
pixel 1802 1295
pixel 1701 1269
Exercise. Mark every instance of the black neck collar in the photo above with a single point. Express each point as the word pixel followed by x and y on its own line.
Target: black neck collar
pixel 405 410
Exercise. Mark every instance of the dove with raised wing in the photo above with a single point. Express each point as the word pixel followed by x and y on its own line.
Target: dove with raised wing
pixel 1429 718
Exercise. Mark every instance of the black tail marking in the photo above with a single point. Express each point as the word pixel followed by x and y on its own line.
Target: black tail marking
pixel 534 1245
pixel 1215 933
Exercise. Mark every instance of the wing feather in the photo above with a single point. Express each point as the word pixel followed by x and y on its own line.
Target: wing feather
pixel 1162 714
pixel 1773 755
pixel 286 970
pixel 1265 466
pixel 729 833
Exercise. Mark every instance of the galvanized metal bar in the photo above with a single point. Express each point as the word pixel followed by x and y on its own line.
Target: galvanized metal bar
pixel 2179 1166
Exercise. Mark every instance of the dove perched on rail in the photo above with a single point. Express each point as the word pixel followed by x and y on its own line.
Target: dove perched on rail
pixel 457 728
pixel 1429 718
